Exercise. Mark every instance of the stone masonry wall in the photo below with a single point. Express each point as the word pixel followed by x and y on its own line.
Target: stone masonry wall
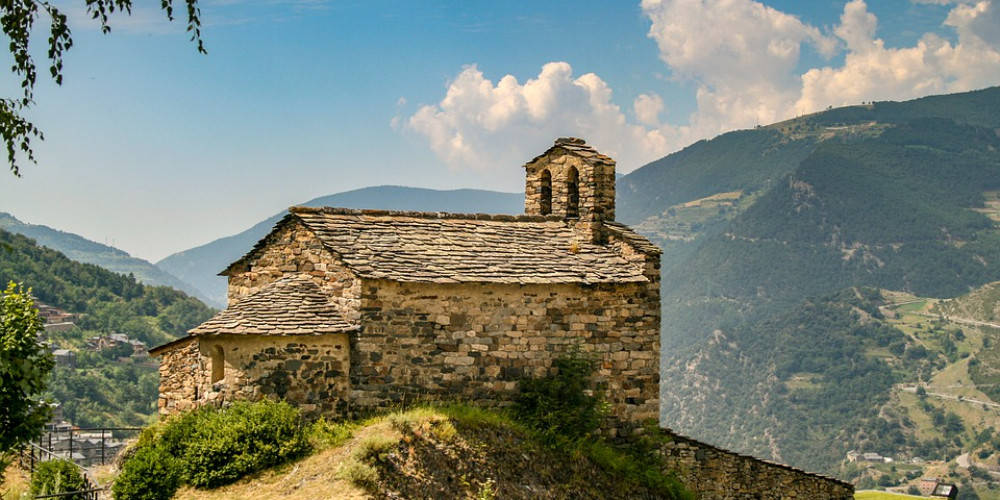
pixel 295 249
pixel 309 371
pixel 181 371
pixel 423 340
pixel 716 474
pixel 597 186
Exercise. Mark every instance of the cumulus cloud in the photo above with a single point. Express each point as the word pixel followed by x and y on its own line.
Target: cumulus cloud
pixel 743 59
pixel 871 71
pixel 647 109
pixel 741 54
pixel 481 124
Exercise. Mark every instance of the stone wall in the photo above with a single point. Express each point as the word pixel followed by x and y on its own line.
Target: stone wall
pixel 309 371
pixel 596 185
pixel 716 474
pixel 181 371
pixel 423 340
pixel 294 249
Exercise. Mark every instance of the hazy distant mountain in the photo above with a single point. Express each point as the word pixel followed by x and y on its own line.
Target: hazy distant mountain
pixel 81 249
pixel 200 265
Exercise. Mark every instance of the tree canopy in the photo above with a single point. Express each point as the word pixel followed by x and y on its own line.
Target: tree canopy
pixel 25 364
pixel 17 19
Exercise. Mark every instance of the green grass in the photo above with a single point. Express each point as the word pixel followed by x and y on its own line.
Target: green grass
pixel 912 307
pixel 881 495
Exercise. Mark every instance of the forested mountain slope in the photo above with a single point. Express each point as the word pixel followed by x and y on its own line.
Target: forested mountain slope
pixel 756 224
pixel 83 250
pixel 106 301
pixel 102 386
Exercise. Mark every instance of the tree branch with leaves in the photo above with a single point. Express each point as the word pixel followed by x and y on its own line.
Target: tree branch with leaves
pixel 17 19
pixel 25 363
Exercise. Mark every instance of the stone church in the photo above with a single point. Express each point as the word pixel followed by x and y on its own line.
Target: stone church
pixel 340 311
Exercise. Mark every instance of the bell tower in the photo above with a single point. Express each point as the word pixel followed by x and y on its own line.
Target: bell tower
pixel 571 180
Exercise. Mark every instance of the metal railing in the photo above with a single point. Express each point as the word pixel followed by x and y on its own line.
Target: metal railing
pixel 87 446
pixel 84 447
pixel 37 454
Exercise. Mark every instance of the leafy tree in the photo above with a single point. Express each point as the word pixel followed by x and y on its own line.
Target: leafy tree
pixel 25 364
pixel 17 19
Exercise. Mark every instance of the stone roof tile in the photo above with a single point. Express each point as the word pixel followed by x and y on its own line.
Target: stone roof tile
pixel 292 305
pixel 442 247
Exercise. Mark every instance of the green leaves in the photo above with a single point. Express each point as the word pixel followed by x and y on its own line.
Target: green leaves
pixel 25 364
pixel 210 447
pixel 17 19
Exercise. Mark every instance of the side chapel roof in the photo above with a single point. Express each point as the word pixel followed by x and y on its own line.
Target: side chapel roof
pixel 439 247
pixel 292 305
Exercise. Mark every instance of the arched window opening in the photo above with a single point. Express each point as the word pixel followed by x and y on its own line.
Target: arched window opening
pixel 218 363
pixel 572 193
pixel 546 192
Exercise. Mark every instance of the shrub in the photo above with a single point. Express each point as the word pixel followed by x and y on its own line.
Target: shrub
pixel 559 405
pixel 244 438
pixel 58 476
pixel 211 447
pixel 149 474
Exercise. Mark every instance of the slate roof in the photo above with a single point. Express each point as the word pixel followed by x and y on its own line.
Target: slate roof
pixel 458 248
pixel 292 305
pixel 578 147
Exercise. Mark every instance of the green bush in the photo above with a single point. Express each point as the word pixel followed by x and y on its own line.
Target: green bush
pixel 247 437
pixel 149 474
pixel 210 447
pixel 560 405
pixel 58 476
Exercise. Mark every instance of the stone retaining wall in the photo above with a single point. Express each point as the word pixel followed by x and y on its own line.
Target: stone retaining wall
pixel 716 474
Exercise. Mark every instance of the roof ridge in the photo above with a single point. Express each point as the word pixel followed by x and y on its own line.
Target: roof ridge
pixel 299 209
pixel 577 147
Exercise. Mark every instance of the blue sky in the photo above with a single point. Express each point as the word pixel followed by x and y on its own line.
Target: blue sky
pixel 156 148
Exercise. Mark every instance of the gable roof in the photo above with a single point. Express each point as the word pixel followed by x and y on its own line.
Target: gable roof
pixel 461 248
pixel 577 147
pixel 292 305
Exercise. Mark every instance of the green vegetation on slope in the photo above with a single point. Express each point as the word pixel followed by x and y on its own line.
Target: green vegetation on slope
pixel 83 250
pixel 793 386
pixel 106 301
pixel 103 387
pixel 546 446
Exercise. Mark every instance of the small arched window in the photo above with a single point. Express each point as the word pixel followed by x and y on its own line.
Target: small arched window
pixel 572 193
pixel 545 204
pixel 218 363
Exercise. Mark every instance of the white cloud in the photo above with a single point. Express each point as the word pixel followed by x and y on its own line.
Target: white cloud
pixel 480 124
pixel 740 53
pixel 872 71
pixel 742 58
pixel 647 109
pixel 977 21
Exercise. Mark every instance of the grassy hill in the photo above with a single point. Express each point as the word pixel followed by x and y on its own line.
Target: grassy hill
pixel 83 250
pixel 450 452
pixel 200 266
